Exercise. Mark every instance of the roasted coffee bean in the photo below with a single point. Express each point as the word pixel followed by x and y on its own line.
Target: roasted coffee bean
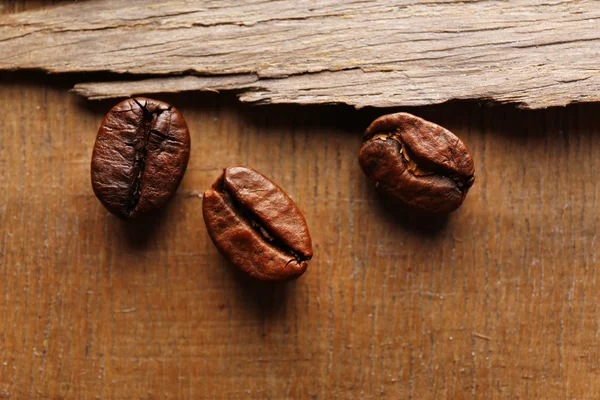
pixel 256 225
pixel 141 153
pixel 417 162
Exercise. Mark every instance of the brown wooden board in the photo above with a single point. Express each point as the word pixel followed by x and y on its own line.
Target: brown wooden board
pixel 498 301
pixel 363 53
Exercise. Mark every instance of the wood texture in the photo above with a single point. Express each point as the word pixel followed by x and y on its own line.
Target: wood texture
pixel 362 53
pixel 499 301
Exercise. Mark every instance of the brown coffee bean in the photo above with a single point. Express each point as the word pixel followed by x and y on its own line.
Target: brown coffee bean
pixel 256 225
pixel 417 162
pixel 141 153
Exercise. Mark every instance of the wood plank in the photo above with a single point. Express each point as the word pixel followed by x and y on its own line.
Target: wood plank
pixel 362 53
pixel 500 301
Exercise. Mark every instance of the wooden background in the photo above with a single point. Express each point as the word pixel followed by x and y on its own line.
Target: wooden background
pixel 500 300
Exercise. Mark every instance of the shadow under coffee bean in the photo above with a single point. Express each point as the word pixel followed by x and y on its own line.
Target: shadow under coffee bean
pixel 256 225
pixel 417 162
pixel 140 156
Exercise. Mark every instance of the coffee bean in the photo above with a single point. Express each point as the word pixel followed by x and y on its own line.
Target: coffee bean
pixel 256 225
pixel 141 153
pixel 417 162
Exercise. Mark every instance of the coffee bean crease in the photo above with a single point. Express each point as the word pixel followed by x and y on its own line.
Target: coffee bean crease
pixel 258 225
pixel 149 117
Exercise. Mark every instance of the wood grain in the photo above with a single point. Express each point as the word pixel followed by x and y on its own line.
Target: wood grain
pixel 361 53
pixel 498 301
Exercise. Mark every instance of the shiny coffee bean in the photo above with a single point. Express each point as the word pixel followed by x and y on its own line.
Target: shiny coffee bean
pixel 140 156
pixel 417 162
pixel 256 225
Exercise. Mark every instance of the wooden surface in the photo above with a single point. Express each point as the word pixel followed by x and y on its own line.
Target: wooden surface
pixel 498 301
pixel 363 53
